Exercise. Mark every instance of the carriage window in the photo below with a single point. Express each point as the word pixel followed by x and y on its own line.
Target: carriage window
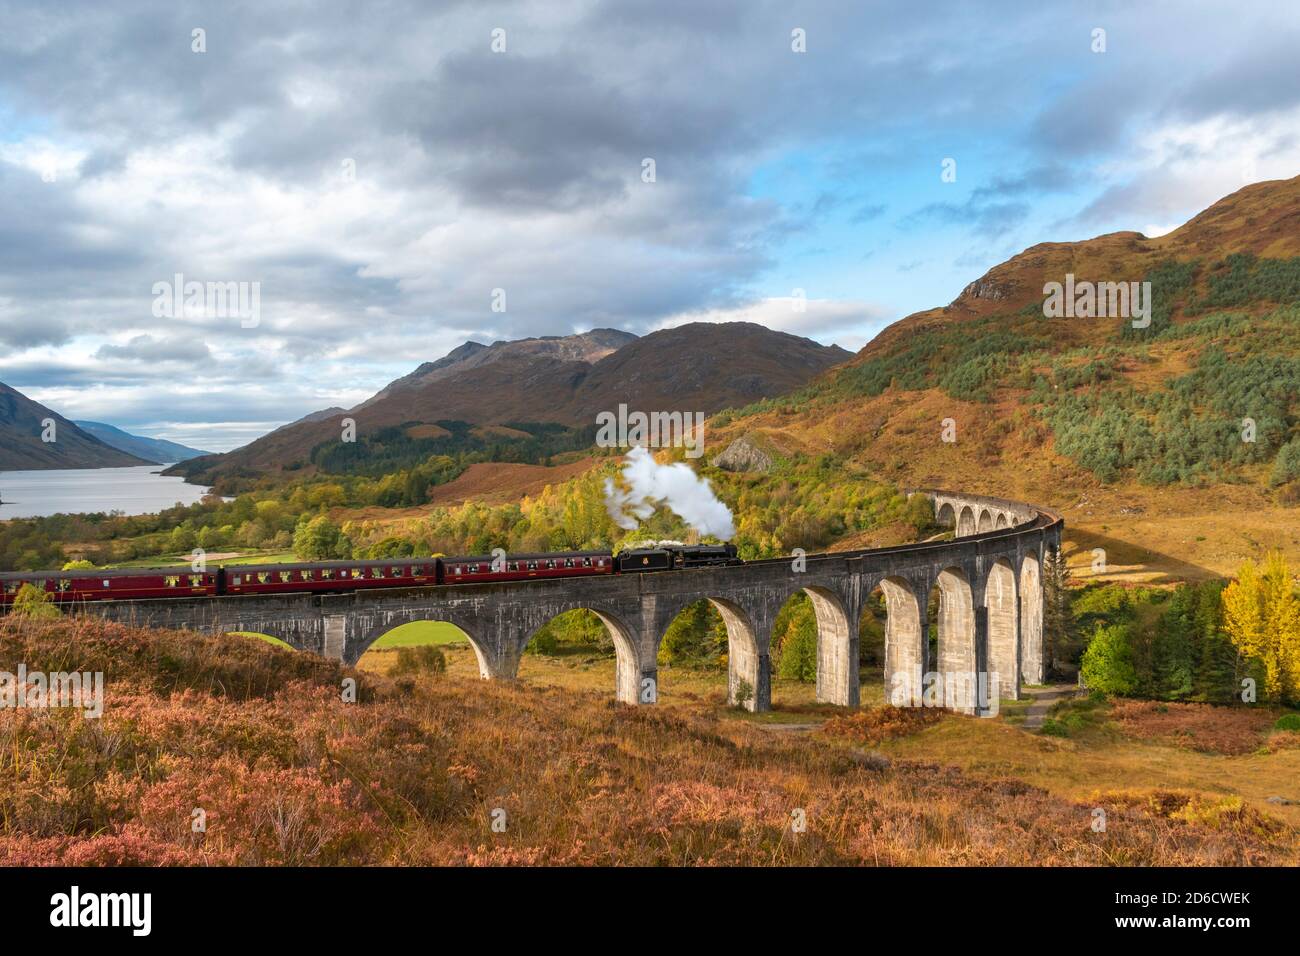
pixel 171 580
pixel 457 569
pixel 532 565
pixel 64 584
pixel 376 572
pixel 263 577
pixel 327 573
pixel 305 574
pixel 358 572
pixel 285 576
pixel 236 581
pixel 395 572
pixel 196 580
pixel 513 566
pixel 601 562
pixel 11 587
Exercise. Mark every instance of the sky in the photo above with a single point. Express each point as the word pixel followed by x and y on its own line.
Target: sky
pixel 395 179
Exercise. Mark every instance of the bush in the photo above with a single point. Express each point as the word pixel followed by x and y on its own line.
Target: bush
pixel 1054 728
pixel 1288 722
pixel 31 601
pixel 424 659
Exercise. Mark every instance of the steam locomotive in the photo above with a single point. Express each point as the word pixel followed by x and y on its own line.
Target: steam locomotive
pixel 342 576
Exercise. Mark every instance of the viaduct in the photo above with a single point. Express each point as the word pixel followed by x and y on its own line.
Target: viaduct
pixel 988 579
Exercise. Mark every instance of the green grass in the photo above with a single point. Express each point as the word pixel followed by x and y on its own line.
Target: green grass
pixel 422 632
pixel 263 637
pixel 173 560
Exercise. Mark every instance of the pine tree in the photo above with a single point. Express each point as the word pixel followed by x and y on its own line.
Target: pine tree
pixel 1176 646
pixel 1058 617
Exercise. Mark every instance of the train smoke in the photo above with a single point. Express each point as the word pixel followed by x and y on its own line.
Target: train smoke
pixel 650 484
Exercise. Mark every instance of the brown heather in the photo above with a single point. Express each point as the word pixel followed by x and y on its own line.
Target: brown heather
pixel 287 773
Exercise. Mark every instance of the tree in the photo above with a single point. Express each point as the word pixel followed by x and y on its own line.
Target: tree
pixel 1262 618
pixel 1108 662
pixel 81 564
pixel 1058 616
pixel 319 539
pixel 34 602
pixel 799 651
pixel 696 636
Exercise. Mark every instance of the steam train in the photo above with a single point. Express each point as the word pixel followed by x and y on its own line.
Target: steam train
pixel 340 576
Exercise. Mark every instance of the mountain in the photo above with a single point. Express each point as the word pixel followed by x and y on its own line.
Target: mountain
pixel 540 394
pixel 21 448
pixel 1174 448
pixel 155 450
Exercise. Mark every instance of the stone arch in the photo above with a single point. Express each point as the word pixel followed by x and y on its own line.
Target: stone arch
pixel 906 647
pixel 837 643
pixel 1032 652
pixel 746 661
pixel 1002 604
pixel 837 649
pixel 965 521
pixel 1002 521
pixel 946 515
pixel 627 662
pixel 956 657
pixel 985 522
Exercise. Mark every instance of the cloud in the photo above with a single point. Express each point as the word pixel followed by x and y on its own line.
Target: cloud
pixel 146 348
pixel 380 176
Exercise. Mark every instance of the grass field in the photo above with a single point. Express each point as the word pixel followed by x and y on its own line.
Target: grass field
pixel 172 560
pixel 262 637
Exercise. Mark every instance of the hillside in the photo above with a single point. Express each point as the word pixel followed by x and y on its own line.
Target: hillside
pixel 410 774
pixel 1137 435
pixel 21 447
pixel 156 450
pixel 522 401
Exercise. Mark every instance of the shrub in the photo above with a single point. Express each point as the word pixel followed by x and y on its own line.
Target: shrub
pixel 1054 728
pixel 1288 722
pixel 34 602
pixel 424 659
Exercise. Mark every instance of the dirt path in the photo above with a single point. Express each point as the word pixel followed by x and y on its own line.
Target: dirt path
pixel 1044 698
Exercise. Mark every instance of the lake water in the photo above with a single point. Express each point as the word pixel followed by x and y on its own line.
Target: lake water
pixel 137 490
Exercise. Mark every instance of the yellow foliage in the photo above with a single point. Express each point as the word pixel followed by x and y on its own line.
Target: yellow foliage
pixel 1262 617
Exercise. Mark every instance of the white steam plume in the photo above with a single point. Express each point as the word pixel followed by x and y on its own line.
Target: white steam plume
pixel 650 484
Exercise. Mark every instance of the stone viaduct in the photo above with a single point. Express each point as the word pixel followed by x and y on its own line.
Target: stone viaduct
pixel 987 578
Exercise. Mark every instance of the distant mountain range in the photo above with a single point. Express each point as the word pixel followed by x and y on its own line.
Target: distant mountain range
pixel 156 450
pixel 22 427
pixel 555 381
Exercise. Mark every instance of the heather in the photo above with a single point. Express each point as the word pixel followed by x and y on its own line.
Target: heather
pixel 285 772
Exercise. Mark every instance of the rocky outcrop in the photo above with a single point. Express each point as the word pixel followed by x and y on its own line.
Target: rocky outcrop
pixel 743 455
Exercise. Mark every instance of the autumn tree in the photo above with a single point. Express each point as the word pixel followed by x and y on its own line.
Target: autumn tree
pixel 1261 615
